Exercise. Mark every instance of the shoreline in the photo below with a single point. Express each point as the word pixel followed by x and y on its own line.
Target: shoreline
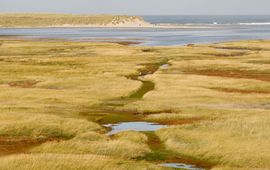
pixel 131 42
pixel 152 26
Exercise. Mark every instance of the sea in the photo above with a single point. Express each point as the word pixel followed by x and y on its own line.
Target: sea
pixel 184 29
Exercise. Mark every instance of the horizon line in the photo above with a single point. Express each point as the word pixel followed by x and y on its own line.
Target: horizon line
pixel 135 14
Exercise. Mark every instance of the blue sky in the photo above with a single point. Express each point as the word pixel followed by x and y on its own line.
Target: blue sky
pixel 140 7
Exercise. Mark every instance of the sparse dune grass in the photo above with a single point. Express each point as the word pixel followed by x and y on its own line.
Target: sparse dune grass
pixel 214 99
pixel 47 20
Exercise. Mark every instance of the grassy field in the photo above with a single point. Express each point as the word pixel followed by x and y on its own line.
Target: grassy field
pixel 45 20
pixel 55 96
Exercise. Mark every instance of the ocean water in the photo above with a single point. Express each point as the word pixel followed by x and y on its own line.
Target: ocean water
pixel 209 19
pixel 202 29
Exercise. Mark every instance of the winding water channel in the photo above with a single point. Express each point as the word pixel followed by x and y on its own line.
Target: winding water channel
pixel 124 121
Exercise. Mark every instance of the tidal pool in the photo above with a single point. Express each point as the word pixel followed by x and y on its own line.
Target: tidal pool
pixel 181 166
pixel 164 66
pixel 136 126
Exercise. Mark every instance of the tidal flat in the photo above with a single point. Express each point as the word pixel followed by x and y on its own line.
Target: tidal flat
pixel 211 102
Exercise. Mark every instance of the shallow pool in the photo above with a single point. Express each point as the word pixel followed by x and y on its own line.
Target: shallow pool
pixel 181 166
pixel 136 126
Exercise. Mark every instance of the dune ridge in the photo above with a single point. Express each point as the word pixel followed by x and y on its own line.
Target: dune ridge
pixel 69 20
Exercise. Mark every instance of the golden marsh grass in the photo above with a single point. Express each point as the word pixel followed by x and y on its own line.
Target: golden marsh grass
pixel 214 99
